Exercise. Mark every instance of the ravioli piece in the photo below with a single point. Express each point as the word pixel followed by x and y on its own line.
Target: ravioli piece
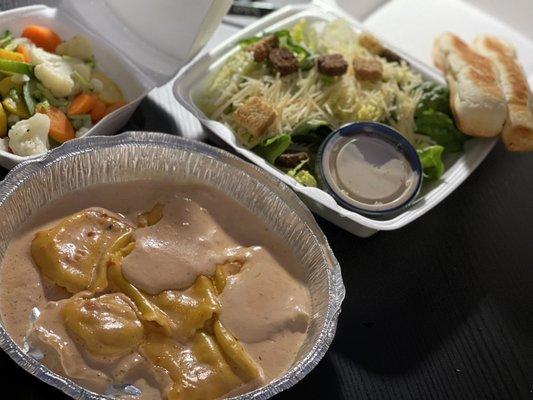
pixel 69 253
pixel 152 217
pixel 178 314
pixel 49 336
pixel 223 271
pixel 198 372
pixel 106 325
pixel 234 351
pixel 188 311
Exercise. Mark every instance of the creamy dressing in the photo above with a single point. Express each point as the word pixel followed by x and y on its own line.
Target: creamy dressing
pixel 369 173
pixel 266 305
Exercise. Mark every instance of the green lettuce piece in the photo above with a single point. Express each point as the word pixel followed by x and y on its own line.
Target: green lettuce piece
pixel 273 147
pixel 311 131
pixel 303 176
pixel 434 97
pixel 439 127
pixel 303 33
pixel 246 42
pixel 305 59
pixel 310 125
pixel 431 160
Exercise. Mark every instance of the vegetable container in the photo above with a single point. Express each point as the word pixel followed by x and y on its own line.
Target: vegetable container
pixel 458 168
pixel 139 44
pixel 156 156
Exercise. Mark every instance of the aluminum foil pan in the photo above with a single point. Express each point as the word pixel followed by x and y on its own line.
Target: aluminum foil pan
pixel 144 155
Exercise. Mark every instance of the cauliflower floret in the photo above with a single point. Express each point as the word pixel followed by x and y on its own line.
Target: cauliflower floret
pixel 97 85
pixel 39 56
pixel 56 77
pixel 55 72
pixel 78 46
pixel 30 136
pixel 83 69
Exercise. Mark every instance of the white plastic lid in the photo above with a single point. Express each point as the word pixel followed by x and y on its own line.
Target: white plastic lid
pixel 158 36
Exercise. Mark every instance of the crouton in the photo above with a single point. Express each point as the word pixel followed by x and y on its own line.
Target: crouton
pixel 283 61
pixel 373 45
pixel 332 65
pixel 367 69
pixel 262 48
pixel 255 116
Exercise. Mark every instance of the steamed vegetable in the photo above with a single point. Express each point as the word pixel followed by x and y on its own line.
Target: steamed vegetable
pixel 3 122
pixel 6 39
pixel 56 76
pixel 98 112
pixel 15 106
pixel 80 121
pixel 28 99
pixel 79 46
pixel 23 50
pixel 11 55
pixel 82 104
pixel 7 84
pixel 43 79
pixel 30 136
pixel 110 93
pixel 42 37
pixel 15 67
pixel 60 128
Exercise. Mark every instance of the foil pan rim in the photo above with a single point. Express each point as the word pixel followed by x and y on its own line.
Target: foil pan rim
pixel 23 172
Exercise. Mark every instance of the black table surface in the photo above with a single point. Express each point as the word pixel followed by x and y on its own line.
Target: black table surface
pixel 440 309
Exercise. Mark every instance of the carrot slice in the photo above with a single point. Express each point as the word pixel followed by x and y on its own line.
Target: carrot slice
pixel 98 111
pixel 82 104
pixel 61 129
pixel 115 106
pixel 25 53
pixel 42 36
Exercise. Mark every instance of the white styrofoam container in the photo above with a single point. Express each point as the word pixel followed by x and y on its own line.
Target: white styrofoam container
pixel 139 44
pixel 459 168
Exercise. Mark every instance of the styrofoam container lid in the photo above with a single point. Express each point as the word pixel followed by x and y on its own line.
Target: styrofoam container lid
pixel 158 36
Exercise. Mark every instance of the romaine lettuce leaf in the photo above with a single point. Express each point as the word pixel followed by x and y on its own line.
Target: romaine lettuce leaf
pixel 431 160
pixel 434 97
pixel 439 127
pixel 303 176
pixel 273 147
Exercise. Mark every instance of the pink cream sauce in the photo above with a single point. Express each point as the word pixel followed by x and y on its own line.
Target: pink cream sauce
pixel 266 306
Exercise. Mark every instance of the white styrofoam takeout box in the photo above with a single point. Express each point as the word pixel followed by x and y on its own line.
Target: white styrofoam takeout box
pixel 189 81
pixel 139 44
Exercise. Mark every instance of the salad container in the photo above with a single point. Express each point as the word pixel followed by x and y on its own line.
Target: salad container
pixel 143 155
pixel 134 43
pixel 458 167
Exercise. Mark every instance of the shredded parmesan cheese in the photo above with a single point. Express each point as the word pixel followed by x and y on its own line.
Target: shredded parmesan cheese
pixel 305 95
